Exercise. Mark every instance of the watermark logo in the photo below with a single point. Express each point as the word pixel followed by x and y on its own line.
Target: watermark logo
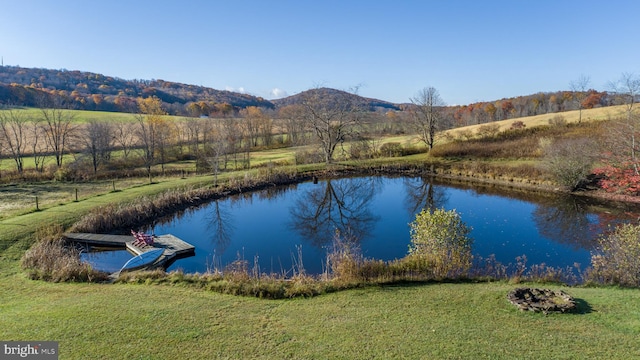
pixel 38 350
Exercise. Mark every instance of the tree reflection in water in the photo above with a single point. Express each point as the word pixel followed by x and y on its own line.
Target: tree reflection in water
pixel 339 204
pixel 220 226
pixel 575 221
pixel 423 194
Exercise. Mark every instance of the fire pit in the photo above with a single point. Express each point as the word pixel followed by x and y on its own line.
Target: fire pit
pixel 541 300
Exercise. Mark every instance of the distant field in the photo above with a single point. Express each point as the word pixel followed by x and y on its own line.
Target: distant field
pixel 85 116
pixel 597 114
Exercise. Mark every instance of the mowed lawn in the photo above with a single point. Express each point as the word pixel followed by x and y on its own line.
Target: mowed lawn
pixel 425 321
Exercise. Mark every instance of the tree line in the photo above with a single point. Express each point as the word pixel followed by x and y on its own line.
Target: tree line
pixel 151 138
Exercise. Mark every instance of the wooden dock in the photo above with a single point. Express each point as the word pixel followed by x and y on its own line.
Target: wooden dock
pixel 174 248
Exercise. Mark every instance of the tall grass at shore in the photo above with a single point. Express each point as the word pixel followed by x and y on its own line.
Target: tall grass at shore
pixel 50 259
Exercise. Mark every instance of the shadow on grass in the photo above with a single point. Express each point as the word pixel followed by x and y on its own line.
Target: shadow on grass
pixel 582 307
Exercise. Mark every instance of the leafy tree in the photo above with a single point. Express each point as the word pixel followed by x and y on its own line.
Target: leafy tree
pixel 440 241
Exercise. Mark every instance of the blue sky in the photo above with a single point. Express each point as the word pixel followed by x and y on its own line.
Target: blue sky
pixel 470 50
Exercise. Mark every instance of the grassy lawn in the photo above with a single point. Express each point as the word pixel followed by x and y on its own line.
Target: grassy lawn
pixel 472 321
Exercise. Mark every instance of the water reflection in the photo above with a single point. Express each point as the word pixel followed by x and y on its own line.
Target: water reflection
pixel 568 221
pixel 342 205
pixel 422 193
pixel 220 225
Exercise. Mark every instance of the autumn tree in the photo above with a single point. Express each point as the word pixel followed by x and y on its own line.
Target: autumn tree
pixel 149 124
pixel 426 114
pixel 332 119
pixel 579 88
pixel 14 135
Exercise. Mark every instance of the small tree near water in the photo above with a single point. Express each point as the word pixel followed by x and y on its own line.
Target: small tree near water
pixel 617 260
pixel 440 243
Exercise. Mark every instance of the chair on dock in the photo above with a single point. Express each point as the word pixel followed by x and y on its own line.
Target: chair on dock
pixel 142 239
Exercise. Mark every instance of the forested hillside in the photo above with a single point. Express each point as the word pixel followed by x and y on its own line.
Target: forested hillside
pixel 80 90
pixel 90 91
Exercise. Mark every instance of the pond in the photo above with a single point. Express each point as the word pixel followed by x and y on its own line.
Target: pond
pixel 284 229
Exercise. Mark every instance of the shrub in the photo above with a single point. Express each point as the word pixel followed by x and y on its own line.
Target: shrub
pixel 617 260
pixel 391 149
pixel 488 130
pixel 619 179
pixel 569 161
pixel 465 134
pixel 558 120
pixel 309 157
pixel 440 244
pixel 361 149
pixel 517 125
pixel 344 258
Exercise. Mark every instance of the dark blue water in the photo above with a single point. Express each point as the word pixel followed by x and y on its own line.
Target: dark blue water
pixel 271 229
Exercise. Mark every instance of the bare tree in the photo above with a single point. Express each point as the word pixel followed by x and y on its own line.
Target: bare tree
pixel 14 134
pixel 213 151
pixel 579 89
pixel 623 138
pixel 251 124
pixel 58 128
pixel 291 119
pixel 38 146
pixel 232 138
pixel 124 137
pixel 626 90
pixel 331 118
pixel 426 114
pixel 97 141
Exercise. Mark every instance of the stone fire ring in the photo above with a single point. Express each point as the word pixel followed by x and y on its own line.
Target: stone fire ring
pixel 541 300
